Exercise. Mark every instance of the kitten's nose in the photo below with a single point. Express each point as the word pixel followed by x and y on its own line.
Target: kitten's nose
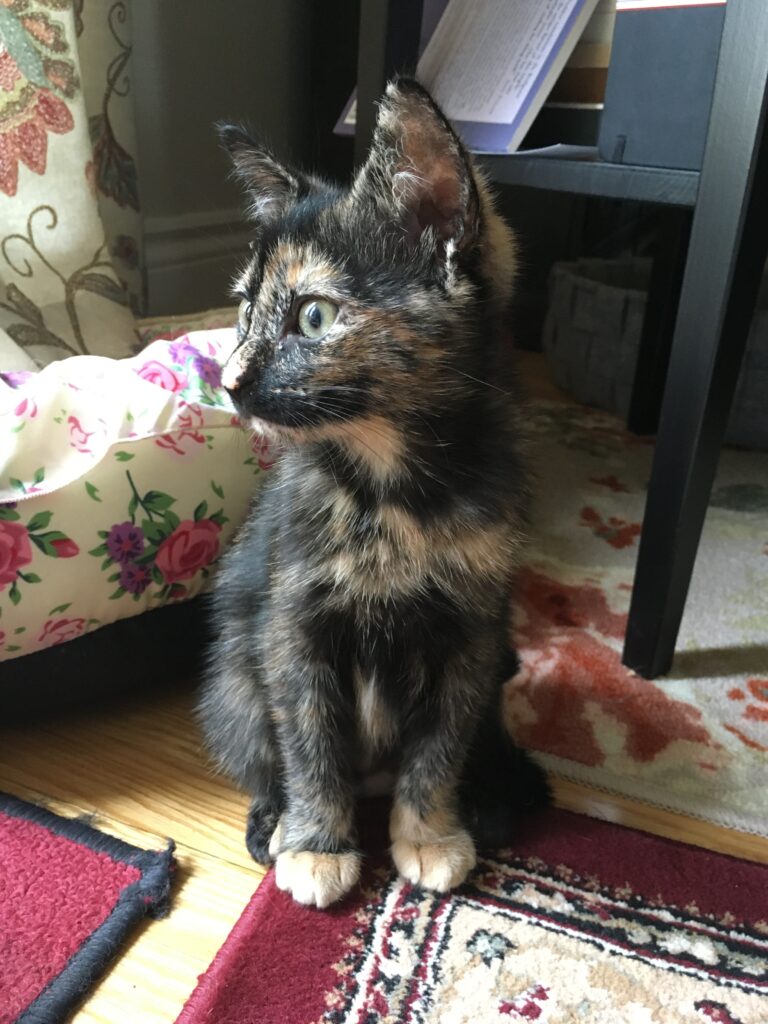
pixel 235 374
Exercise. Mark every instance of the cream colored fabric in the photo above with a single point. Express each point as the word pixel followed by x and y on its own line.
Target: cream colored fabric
pixel 122 482
pixel 70 259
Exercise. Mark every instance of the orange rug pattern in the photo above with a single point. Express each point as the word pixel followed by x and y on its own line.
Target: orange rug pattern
pixel 695 741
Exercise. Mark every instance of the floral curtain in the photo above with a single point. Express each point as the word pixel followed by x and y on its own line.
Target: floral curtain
pixel 70 229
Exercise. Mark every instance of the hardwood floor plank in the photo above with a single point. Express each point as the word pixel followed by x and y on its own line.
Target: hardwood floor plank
pixel 143 767
pixel 622 811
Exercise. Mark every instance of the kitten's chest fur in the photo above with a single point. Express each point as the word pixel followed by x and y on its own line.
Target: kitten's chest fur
pixel 367 549
pixel 388 597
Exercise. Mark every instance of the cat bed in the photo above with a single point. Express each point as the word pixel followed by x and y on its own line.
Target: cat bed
pixel 120 484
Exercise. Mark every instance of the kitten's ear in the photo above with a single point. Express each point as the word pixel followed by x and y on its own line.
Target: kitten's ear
pixel 270 185
pixel 418 168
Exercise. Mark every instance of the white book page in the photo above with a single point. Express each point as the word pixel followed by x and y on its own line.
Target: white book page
pixel 652 5
pixel 485 55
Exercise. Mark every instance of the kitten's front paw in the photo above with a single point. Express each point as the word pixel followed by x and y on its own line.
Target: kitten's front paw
pixel 440 865
pixel 263 823
pixel 316 879
pixel 276 841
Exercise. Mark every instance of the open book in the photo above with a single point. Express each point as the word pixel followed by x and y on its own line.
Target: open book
pixel 491 64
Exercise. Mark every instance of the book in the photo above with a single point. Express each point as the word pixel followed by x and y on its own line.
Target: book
pixel 656 5
pixel 582 80
pixel 491 64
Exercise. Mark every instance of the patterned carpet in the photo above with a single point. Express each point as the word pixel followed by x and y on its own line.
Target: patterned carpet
pixel 695 741
pixel 582 921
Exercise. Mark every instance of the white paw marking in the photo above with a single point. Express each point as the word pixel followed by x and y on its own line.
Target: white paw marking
pixel 276 841
pixel 316 879
pixel 440 865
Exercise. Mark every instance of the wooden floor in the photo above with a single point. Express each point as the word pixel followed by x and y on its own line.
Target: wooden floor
pixel 141 772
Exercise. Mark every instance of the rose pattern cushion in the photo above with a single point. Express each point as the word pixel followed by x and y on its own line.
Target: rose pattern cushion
pixel 121 482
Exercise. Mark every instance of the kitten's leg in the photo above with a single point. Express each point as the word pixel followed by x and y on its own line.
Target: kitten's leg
pixel 430 845
pixel 234 707
pixel 235 718
pixel 264 822
pixel 500 782
pixel 316 859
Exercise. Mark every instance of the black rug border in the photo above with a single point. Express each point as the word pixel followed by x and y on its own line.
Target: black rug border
pixel 148 896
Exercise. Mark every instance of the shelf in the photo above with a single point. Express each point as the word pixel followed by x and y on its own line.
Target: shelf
pixel 593 177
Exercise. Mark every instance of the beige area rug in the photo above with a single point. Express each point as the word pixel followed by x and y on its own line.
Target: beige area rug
pixel 695 741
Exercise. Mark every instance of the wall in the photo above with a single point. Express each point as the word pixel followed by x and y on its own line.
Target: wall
pixel 197 62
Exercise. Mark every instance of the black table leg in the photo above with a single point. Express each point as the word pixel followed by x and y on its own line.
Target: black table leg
pixel 673 229
pixel 729 239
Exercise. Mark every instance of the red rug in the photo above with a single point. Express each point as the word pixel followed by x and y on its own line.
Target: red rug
pixel 69 896
pixel 581 921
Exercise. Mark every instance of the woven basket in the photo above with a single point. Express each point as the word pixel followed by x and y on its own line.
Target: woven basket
pixel 592 335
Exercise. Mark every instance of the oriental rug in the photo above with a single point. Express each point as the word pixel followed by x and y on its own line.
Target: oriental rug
pixel 580 921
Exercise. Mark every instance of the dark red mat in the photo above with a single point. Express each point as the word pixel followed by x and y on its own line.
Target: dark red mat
pixel 582 920
pixel 69 896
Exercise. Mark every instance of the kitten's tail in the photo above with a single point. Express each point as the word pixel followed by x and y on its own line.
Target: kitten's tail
pixel 501 782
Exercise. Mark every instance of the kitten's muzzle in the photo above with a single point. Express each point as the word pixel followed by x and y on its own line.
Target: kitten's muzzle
pixel 263 396
pixel 271 381
pixel 237 372
pixel 240 382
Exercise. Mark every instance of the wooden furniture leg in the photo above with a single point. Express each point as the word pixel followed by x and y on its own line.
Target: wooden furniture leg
pixel 729 241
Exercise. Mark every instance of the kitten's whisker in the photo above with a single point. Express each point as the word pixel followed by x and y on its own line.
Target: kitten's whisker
pixel 348 388
pixel 338 416
pixel 419 416
pixel 477 380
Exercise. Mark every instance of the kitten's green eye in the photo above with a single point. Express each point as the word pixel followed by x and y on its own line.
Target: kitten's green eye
pixel 316 317
pixel 245 312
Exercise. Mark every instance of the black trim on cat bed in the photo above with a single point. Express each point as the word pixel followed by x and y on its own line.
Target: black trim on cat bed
pixel 151 651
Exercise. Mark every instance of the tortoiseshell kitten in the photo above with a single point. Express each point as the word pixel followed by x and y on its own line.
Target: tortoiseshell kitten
pixel 361 615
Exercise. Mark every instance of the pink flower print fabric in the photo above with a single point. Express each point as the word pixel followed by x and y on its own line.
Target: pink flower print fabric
pixel 15 551
pixel 121 482
pixel 191 547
